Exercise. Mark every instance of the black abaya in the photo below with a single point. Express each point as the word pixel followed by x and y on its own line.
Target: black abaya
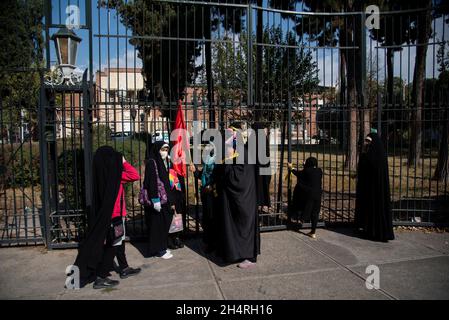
pixel 158 223
pixel 373 207
pixel 306 203
pixel 107 173
pixel 237 221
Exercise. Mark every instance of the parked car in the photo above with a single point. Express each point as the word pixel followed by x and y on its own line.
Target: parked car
pixel 160 135
pixel 121 135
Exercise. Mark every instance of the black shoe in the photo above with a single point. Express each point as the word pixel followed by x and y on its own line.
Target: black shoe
pixel 179 243
pixel 129 272
pixel 102 283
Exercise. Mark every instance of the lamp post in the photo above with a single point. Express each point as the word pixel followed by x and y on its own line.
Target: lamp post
pixel 66 45
pixel 65 81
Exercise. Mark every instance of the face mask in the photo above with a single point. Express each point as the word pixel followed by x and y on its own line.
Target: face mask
pixel 164 154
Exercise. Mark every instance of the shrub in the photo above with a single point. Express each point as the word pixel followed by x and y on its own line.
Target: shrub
pixel 71 177
pixel 21 165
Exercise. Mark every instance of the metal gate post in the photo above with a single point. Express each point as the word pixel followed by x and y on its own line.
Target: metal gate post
pixel 48 165
pixel 43 159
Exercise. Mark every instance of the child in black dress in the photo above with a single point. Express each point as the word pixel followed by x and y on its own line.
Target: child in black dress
pixel 307 193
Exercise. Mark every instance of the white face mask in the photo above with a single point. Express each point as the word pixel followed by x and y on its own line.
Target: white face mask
pixel 164 154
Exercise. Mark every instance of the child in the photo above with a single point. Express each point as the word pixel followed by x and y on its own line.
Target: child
pixel 307 193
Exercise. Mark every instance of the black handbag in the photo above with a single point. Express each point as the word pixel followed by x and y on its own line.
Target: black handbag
pixel 117 226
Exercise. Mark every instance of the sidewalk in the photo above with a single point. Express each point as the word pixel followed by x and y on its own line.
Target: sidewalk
pixel 291 266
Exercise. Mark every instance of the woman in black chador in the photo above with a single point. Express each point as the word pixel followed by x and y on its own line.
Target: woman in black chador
pixel 373 207
pixel 160 215
pixel 237 220
pixel 94 259
pixel 306 203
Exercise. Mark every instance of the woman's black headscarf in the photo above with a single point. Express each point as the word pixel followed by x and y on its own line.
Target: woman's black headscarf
pixel 107 172
pixel 373 206
pixel 154 154
pixel 311 162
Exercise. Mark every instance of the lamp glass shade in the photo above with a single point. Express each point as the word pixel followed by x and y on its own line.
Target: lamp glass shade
pixel 63 50
pixel 73 51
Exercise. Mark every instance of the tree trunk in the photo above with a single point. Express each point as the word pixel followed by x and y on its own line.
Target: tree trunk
pixel 415 149
pixel 390 76
pixel 442 169
pixel 351 155
pixel 343 137
pixel 342 78
pixel 365 124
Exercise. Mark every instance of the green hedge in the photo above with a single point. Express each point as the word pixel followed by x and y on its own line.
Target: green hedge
pixel 21 164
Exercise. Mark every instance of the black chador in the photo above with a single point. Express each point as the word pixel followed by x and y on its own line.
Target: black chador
pixel 237 219
pixel 158 221
pixel 373 215
pixel 306 204
pixel 107 173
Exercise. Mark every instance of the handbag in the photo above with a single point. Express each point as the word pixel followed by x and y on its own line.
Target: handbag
pixel 144 198
pixel 117 225
pixel 176 223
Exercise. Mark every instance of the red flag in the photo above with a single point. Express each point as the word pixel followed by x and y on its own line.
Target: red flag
pixel 181 144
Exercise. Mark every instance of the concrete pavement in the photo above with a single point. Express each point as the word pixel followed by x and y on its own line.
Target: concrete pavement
pixel 291 266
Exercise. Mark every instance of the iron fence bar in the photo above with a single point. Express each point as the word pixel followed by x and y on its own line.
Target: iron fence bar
pixel 87 129
pixel 249 32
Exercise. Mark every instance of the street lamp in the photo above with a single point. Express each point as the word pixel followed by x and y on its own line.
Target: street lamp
pixel 66 44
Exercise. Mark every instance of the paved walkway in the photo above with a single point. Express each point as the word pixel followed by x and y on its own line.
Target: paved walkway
pixel 291 266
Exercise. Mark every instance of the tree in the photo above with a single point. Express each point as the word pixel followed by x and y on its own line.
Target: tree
pixel 345 31
pixel 276 4
pixel 423 30
pixel 395 30
pixel 169 64
pixel 293 67
pixel 442 169
pixel 21 61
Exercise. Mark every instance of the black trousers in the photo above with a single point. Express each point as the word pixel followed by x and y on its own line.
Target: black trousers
pixel 107 263
pixel 312 212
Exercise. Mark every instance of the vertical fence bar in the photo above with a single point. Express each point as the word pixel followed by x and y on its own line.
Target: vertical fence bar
pixel 250 54
pixel 87 129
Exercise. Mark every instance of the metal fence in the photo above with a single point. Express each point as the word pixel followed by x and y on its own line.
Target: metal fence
pixel 318 80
